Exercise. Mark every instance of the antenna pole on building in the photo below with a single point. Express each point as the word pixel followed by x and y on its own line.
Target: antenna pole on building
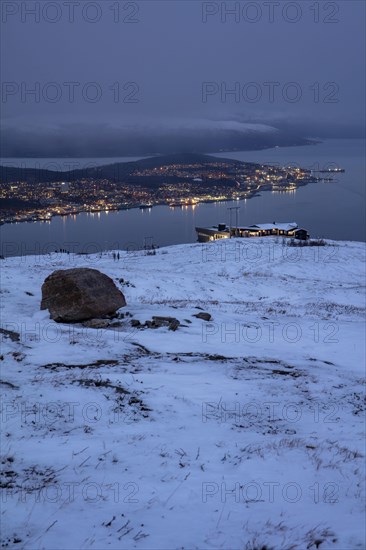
pixel 236 208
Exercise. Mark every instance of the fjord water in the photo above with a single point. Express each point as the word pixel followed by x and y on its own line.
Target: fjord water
pixel 334 210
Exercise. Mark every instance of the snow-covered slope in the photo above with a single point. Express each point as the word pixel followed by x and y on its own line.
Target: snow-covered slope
pixel 245 432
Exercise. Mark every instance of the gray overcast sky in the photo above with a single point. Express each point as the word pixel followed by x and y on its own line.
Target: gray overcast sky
pixel 168 66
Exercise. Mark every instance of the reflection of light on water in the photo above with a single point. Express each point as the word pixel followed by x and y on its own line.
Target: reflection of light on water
pixel 283 191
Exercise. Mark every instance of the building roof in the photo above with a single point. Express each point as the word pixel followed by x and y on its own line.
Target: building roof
pixel 212 231
pixel 268 226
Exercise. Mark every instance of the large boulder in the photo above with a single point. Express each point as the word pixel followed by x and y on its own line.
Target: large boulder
pixel 73 295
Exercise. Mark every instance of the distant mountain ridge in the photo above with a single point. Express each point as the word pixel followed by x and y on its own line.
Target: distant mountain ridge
pixel 114 172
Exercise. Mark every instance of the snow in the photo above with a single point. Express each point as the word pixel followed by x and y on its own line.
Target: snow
pixel 275 225
pixel 242 432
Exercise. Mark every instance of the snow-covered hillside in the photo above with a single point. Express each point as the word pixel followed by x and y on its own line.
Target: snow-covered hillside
pixel 245 432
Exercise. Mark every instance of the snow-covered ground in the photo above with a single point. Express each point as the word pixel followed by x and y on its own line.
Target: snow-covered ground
pixel 245 432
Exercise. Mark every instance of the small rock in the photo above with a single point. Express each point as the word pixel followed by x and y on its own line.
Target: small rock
pixel 97 323
pixel 203 315
pixel 169 322
pixel 174 324
pixel 135 323
pixel 158 322
pixel 14 336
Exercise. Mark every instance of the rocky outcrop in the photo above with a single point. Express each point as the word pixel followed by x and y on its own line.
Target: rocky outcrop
pixel 79 294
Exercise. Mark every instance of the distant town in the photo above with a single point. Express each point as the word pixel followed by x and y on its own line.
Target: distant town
pixel 175 181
